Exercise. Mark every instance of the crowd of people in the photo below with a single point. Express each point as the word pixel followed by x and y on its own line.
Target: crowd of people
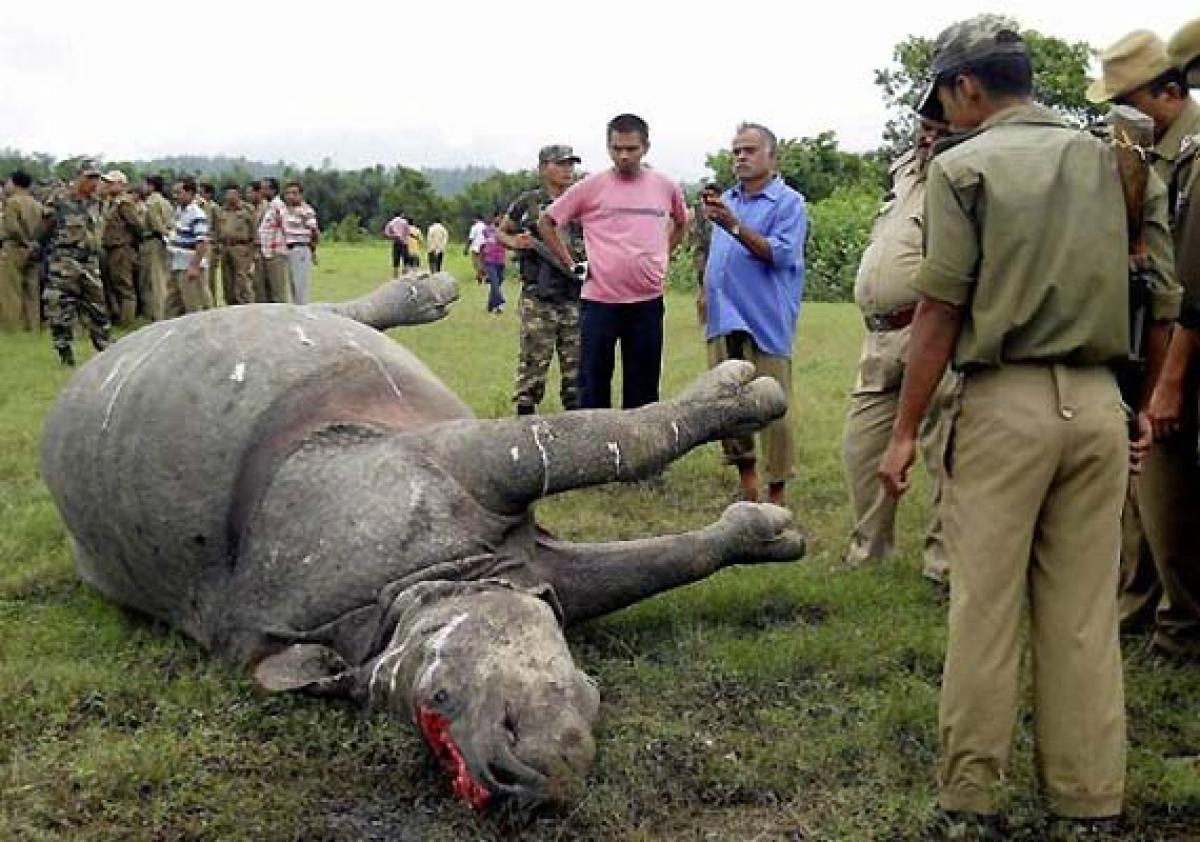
pixel 995 290
pixel 98 252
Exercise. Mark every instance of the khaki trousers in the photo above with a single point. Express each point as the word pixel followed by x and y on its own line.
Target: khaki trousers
pixel 237 273
pixel 1168 492
pixel 260 276
pixel 122 295
pixel 187 295
pixel 873 407
pixel 1139 587
pixel 776 438
pixel 1035 482
pixel 154 273
pixel 278 279
pixel 20 295
pixel 215 262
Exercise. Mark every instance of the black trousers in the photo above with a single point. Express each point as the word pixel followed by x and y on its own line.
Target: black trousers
pixel 435 261
pixel 639 329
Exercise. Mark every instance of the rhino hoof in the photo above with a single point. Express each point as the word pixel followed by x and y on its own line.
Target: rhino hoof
pixel 762 532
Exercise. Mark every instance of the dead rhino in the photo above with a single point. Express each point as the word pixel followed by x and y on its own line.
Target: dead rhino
pixel 301 495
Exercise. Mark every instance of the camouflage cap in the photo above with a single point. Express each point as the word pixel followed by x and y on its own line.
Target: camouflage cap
pixel 1184 51
pixel 1137 58
pixel 962 43
pixel 115 177
pixel 88 168
pixel 556 153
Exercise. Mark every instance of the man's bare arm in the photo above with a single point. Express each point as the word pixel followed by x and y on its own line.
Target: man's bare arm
pixel 553 240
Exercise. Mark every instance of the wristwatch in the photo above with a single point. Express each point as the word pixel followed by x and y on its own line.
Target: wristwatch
pixel 736 230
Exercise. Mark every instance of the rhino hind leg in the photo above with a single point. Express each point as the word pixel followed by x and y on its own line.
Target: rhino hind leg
pixel 591 580
pixel 509 463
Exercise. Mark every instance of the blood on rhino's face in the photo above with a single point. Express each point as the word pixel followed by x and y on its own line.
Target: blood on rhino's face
pixel 492 687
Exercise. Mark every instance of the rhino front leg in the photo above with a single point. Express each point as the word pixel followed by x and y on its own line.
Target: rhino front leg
pixel 592 580
pixel 509 463
pixel 409 301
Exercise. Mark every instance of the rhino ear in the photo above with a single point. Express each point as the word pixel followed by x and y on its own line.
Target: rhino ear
pixel 309 667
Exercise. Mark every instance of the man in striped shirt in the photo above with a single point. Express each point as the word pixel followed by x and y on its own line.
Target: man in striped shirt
pixel 187 291
pixel 300 232
pixel 272 238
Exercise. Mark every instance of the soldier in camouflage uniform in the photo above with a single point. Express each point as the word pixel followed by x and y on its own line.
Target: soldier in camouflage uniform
pixel 122 235
pixel 233 232
pixel 72 223
pixel 549 295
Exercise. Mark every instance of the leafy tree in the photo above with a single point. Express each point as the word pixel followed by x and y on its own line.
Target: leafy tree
pixel 1059 79
pixel 488 197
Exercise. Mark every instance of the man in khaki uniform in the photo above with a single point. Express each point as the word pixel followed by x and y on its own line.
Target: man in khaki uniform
pixel 20 251
pixel 1031 301
pixel 1175 494
pixel 155 266
pixel 206 198
pixel 1137 71
pixel 883 291
pixel 234 233
pixel 120 238
pixel 258 201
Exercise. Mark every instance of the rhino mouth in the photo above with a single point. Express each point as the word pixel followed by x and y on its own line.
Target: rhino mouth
pixel 436 729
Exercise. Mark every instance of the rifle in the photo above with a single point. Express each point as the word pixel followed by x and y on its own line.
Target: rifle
pixel 547 284
pixel 1133 138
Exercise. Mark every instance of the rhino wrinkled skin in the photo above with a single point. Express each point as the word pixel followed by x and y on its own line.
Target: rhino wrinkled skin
pixel 303 497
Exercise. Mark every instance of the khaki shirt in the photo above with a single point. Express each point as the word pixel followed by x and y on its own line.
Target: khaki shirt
pixel 160 216
pixel 122 227
pixel 893 253
pixel 21 222
pixel 1166 150
pixel 1025 228
pixel 438 237
pixel 234 227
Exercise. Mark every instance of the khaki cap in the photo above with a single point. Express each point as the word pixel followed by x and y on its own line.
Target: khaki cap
pixel 1138 58
pixel 1184 48
pixel 115 177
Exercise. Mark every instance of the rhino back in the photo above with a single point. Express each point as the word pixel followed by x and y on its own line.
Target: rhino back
pixel 156 447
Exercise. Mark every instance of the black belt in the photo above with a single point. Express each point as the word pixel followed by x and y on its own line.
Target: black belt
pixel 237 243
pixel 895 320
pixel 298 245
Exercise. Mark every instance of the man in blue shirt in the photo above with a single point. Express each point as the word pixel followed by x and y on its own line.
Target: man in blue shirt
pixel 754 279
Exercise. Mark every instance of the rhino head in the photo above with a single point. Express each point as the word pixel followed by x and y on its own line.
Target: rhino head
pixel 483 670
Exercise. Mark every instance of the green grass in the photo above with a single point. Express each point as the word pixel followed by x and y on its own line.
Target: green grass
pixel 790 701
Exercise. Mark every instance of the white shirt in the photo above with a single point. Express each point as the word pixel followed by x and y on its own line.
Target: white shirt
pixel 475 235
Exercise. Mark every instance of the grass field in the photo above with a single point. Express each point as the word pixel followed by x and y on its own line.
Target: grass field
pixel 779 702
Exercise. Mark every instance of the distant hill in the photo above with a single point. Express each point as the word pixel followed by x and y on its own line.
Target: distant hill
pixel 447 182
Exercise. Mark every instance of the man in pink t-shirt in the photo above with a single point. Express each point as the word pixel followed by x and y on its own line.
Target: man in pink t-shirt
pixel 632 219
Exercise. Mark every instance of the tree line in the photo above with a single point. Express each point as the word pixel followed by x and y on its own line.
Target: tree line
pixel 843 188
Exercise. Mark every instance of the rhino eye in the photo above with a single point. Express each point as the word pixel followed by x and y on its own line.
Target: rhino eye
pixel 441 698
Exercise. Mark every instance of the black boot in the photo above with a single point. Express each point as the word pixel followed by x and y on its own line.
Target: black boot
pixel 524 409
pixel 66 356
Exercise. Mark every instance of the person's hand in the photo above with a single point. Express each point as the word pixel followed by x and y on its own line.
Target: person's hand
pixel 1140 445
pixel 1166 406
pixel 314 257
pixel 524 240
pixel 193 272
pixel 717 212
pixel 893 467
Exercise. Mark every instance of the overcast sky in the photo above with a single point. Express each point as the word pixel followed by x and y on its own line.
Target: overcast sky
pixel 456 83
